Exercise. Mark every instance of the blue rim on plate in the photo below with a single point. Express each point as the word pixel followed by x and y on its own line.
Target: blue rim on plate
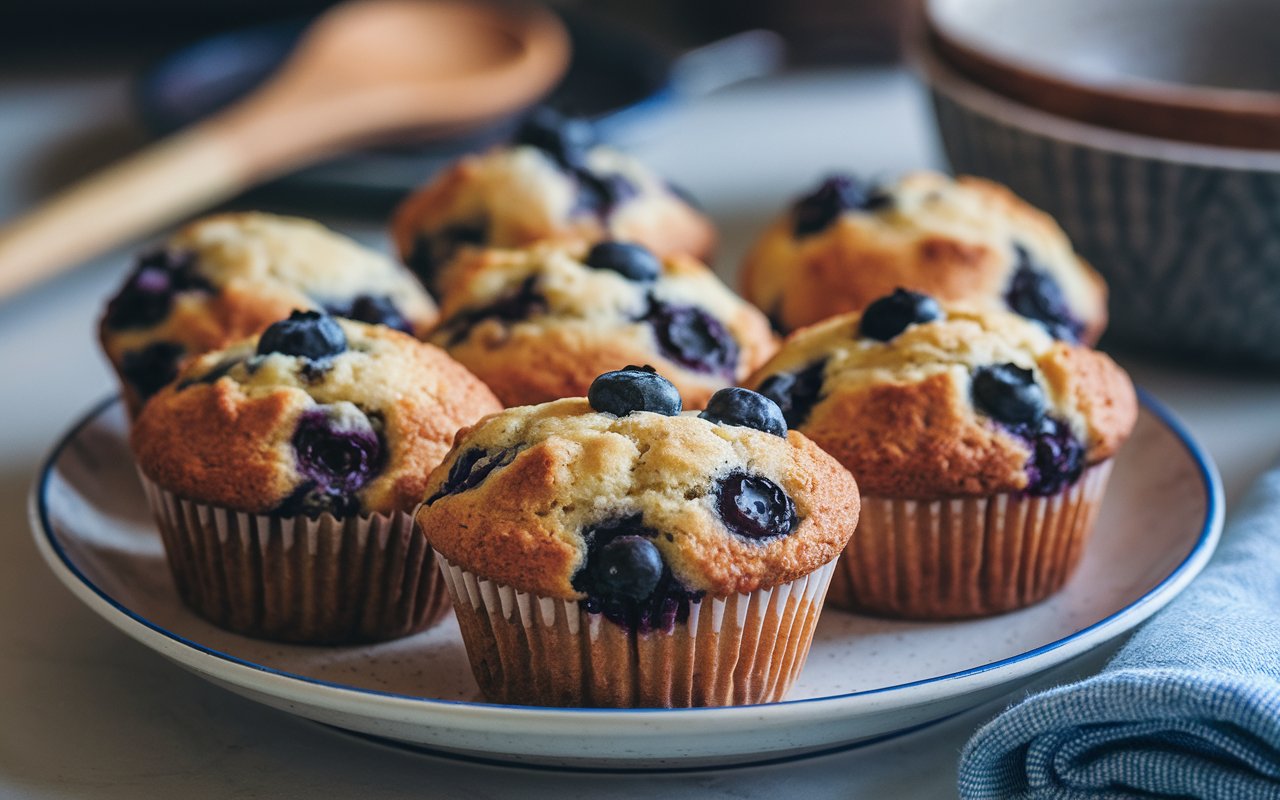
pixel 1194 558
pixel 482 761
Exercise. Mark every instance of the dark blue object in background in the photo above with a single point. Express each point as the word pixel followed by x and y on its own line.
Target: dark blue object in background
pixel 616 76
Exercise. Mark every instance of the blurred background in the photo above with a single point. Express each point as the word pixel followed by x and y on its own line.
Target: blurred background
pixel 819 31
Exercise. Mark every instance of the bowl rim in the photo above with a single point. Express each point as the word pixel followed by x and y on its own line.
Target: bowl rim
pixel 940 17
pixel 947 81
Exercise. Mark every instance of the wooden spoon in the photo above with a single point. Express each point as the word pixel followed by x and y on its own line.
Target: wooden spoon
pixel 365 71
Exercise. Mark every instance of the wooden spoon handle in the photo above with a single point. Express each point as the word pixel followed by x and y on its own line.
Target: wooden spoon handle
pixel 163 183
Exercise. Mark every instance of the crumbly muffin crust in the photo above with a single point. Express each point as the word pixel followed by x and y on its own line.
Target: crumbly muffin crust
pixel 224 433
pixel 900 414
pixel 961 241
pixel 518 195
pixel 559 323
pixel 232 275
pixel 566 469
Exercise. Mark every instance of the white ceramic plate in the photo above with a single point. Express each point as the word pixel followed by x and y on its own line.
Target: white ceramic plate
pixel 866 678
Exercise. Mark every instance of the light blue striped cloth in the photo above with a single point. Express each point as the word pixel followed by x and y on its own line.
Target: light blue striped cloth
pixel 1190 707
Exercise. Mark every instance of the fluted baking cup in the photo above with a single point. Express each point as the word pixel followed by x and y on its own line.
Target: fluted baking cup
pixel 297 579
pixel 965 557
pixel 737 650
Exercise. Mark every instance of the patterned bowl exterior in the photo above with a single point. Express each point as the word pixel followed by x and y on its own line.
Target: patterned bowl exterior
pixel 1190 249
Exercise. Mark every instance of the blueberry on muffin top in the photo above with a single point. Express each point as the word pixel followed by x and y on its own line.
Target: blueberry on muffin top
pixel 316 415
pixel 962 240
pixel 541 323
pixel 230 275
pixel 833 197
pixel 554 182
pixel 636 514
pixel 952 403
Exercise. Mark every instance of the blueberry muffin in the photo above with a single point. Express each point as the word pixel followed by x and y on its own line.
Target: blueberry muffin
pixel 283 472
pixel 229 276
pixel 553 182
pixel 610 551
pixel 963 241
pixel 981 444
pixel 541 323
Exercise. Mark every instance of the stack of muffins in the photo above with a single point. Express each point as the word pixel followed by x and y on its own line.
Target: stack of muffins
pixel 656 516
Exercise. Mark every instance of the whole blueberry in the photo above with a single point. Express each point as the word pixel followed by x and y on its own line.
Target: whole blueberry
pixel 625 580
pixel 627 567
pixel 1034 294
pixel 1008 393
pixel 565 139
pixel 755 507
pixel 307 334
pixel 891 315
pixel 796 393
pixel 470 469
pixel 148 370
pixel 837 194
pixel 634 389
pixel 631 261
pixel 738 406
pixel 693 338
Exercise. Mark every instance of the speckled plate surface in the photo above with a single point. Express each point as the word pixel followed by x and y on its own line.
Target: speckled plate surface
pixel 866 679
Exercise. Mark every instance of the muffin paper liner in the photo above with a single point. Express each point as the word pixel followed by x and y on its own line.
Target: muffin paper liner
pixel 966 557
pixel 296 579
pixel 532 650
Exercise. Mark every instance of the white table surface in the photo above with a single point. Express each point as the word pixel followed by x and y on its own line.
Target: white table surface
pixel 86 712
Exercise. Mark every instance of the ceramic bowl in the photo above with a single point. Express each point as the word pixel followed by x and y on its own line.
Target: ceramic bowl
pixel 1187 236
pixel 1193 70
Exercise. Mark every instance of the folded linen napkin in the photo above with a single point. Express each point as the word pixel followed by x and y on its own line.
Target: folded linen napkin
pixel 1189 707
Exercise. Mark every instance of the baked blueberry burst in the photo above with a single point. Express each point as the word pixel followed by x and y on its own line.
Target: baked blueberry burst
pixel 837 194
pixel 521 303
pixel 337 451
pixel 566 141
pixel 431 251
pixel 693 338
pixel 147 296
pixel 626 579
pixel 1034 294
pixel 470 469
pixel 1010 395
pixel 372 310
pixel 149 369
pixel 796 393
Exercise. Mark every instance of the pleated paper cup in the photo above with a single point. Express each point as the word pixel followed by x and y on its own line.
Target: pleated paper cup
pixel 297 579
pixel 738 650
pixel 965 557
